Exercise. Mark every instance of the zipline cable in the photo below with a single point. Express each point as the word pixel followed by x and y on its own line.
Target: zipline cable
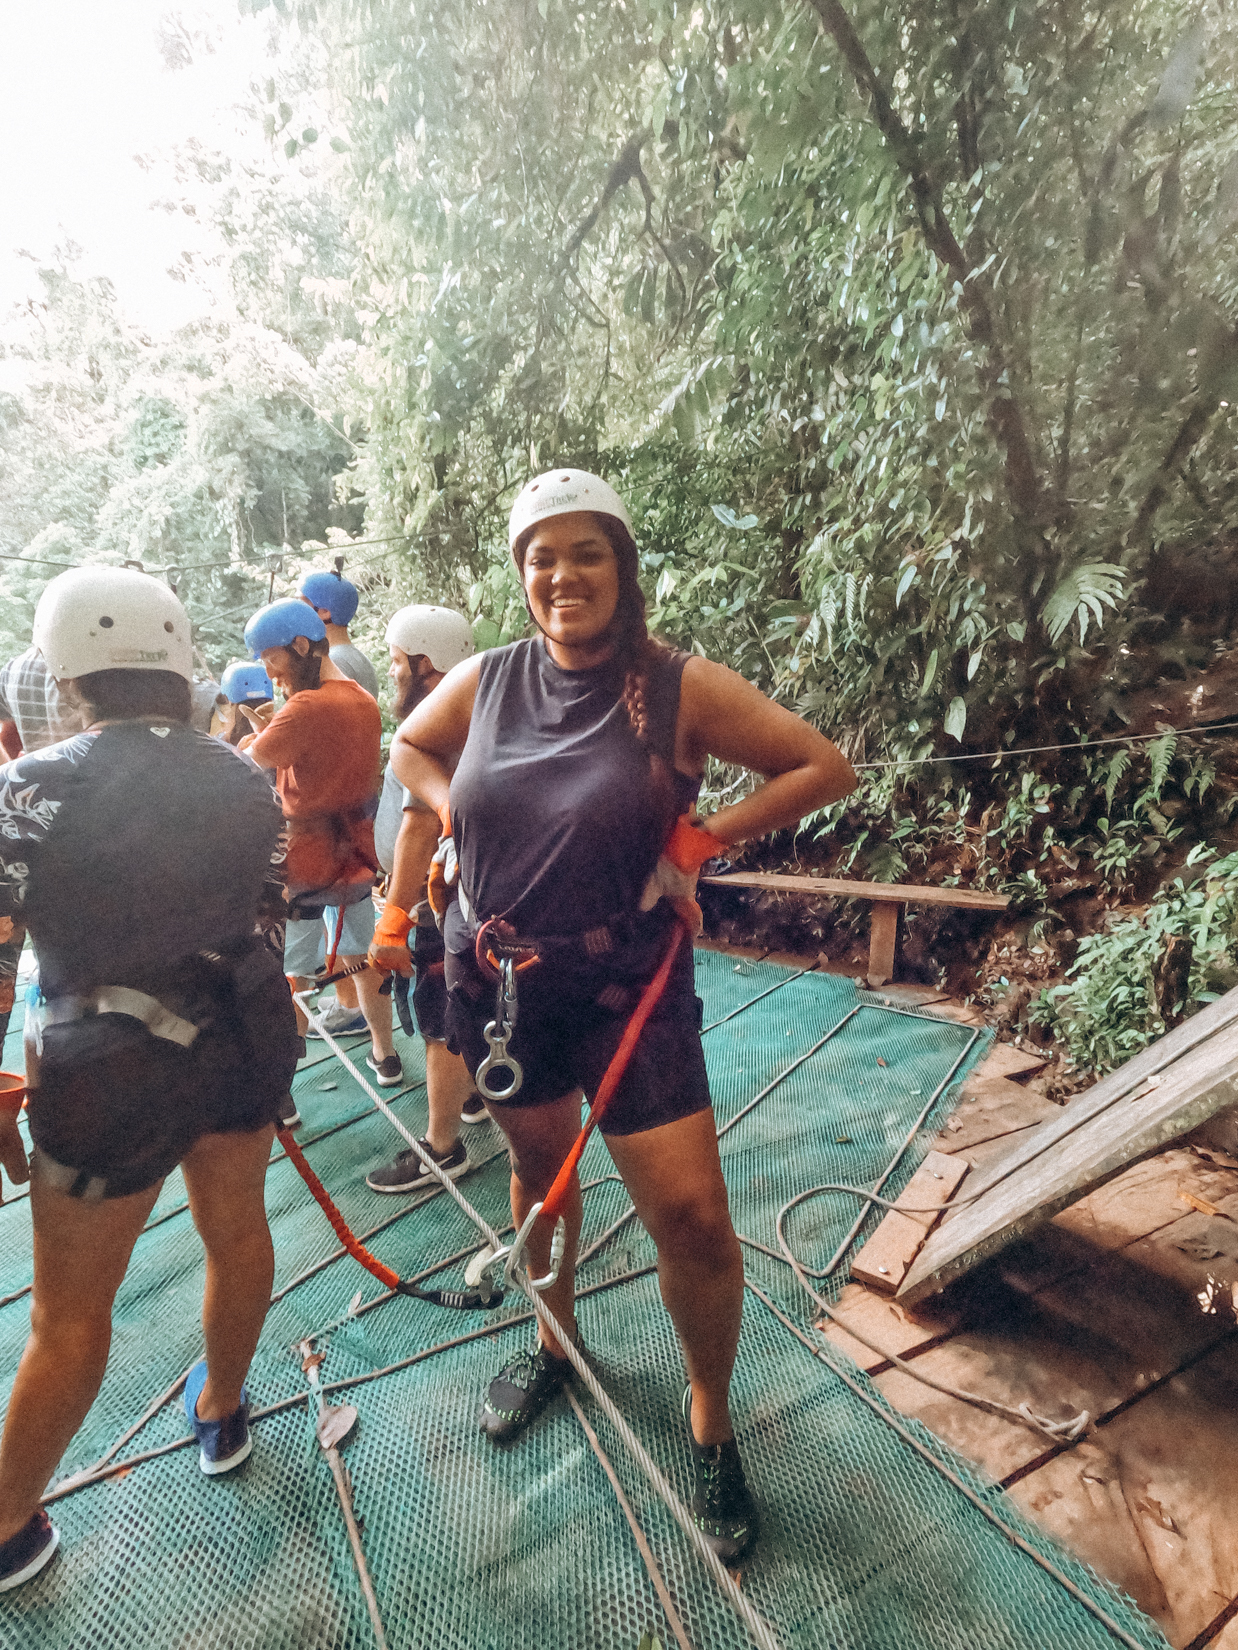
pixel 1195 731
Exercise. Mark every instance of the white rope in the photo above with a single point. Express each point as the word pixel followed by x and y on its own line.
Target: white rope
pixel 761 1630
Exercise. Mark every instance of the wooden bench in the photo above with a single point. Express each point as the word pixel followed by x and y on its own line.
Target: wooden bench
pixel 887 900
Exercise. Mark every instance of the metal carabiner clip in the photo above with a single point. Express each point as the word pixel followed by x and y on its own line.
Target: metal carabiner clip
pixel 493 1270
pixel 498 1034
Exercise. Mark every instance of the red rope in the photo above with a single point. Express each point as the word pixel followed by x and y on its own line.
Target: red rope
pixel 355 1247
pixel 552 1206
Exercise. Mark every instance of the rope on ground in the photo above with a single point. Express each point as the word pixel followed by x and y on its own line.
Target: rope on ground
pixel 940 1466
pixel 761 1630
pixel 114 1469
pixel 374 1231
pixel 638 1535
pixel 1072 1428
pixel 910 1136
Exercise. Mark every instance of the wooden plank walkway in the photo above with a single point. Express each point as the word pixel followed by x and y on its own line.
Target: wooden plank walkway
pixel 1123 1305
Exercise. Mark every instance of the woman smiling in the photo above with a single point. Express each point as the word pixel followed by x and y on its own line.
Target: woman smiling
pixel 561 766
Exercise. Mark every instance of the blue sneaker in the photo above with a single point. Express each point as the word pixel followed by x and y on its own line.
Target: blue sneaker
pixel 225 1444
pixel 23 1555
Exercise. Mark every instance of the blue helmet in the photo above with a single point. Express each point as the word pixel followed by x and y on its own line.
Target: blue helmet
pixel 241 682
pixel 332 591
pixel 280 623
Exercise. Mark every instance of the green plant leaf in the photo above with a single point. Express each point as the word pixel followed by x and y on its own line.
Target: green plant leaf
pixel 1084 594
pixel 956 718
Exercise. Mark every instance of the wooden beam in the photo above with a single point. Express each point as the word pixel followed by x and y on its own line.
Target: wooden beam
pixel 884 1260
pixel 882 939
pixel 896 893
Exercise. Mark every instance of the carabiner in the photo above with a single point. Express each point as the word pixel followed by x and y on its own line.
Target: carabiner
pixel 498 1034
pixel 494 1269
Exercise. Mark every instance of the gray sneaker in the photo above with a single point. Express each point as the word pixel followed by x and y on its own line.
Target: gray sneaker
pixel 389 1073
pixel 409 1174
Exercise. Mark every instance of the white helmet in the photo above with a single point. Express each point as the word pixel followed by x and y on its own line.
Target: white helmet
pixel 111 618
pixel 557 493
pixel 443 635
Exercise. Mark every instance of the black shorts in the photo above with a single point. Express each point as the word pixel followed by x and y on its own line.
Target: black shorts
pixel 122 1107
pixel 564 1040
pixel 430 990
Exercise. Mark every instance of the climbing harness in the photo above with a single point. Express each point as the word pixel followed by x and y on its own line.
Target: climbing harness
pixel 498 1033
pixel 158 1019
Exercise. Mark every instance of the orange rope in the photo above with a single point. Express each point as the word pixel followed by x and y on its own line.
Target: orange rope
pixel 552 1207
pixel 355 1248
pixel 335 943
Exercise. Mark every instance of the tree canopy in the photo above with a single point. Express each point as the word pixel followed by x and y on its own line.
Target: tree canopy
pixel 911 333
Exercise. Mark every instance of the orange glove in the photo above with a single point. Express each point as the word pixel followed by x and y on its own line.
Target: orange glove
pixel 443 875
pixel 389 952
pixel 688 846
pixel 674 877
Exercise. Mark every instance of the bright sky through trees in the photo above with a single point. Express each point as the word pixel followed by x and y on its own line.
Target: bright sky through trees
pixel 86 90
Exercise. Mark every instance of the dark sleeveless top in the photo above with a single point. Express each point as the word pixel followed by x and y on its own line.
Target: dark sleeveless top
pixel 552 802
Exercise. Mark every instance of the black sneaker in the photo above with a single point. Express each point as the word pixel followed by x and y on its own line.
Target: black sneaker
pixel 722 1508
pixel 520 1392
pixel 289 1116
pixel 23 1555
pixel 474 1110
pixel 387 1073
pixel 409 1174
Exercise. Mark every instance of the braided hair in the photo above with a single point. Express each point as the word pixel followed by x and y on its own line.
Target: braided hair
pixel 636 650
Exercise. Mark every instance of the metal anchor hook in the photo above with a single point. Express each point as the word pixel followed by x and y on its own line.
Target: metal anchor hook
pixel 498 1034
pixel 495 1269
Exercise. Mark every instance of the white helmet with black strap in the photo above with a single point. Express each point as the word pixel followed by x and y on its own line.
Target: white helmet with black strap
pixel 441 634
pixel 111 618
pixel 558 493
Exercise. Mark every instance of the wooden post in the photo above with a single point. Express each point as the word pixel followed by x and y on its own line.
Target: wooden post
pixel 882 935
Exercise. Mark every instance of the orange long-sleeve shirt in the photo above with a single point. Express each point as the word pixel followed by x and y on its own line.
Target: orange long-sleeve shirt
pixel 324 747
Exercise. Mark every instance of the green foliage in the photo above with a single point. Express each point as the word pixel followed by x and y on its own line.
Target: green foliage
pixel 901 487
pixel 1107 1010
pixel 205 454
pixel 1083 594
pixel 649 1641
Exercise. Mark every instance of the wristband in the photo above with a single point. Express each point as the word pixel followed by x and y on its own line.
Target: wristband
pixel 392 928
pixel 688 846
pixel 444 818
pixel 12 1093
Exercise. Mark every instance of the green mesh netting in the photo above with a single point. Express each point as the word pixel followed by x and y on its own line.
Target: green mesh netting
pixel 864 1544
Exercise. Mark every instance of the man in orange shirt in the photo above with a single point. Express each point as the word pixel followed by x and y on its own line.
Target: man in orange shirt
pixel 324 747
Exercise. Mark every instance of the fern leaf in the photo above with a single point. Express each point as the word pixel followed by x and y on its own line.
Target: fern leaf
pixel 1113 775
pixel 1162 753
pixel 1083 594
